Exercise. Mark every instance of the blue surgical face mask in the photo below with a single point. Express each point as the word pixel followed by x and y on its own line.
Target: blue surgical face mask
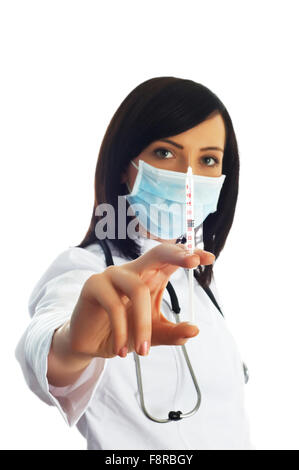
pixel 158 199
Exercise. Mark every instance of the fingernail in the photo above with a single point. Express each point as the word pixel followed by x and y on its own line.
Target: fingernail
pixel 143 350
pixel 123 351
pixel 191 323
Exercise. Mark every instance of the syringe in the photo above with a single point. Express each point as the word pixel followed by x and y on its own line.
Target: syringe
pixel 190 242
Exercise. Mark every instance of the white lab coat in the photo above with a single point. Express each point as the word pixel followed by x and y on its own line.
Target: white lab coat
pixel 104 402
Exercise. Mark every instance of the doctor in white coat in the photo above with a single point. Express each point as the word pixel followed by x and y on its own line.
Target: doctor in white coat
pixel 89 321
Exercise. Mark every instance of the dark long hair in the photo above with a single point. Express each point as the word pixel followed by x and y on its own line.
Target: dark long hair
pixel 158 108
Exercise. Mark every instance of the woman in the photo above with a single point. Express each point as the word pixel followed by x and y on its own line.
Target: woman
pixel 91 321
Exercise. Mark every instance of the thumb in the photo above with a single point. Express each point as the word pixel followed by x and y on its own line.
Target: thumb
pixel 168 333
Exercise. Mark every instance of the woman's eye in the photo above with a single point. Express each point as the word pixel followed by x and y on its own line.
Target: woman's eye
pixel 165 154
pixel 162 150
pixel 209 161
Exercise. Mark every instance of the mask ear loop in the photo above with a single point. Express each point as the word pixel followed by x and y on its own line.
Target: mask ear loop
pixel 137 168
pixel 134 164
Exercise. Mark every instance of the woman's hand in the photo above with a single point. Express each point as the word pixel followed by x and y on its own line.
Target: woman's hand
pixel 118 310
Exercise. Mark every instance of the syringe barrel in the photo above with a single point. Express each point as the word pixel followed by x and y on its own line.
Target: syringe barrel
pixel 189 211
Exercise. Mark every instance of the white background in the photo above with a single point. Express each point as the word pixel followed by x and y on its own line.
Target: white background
pixel 65 68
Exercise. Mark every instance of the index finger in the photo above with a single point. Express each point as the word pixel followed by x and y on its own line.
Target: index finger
pixel 171 254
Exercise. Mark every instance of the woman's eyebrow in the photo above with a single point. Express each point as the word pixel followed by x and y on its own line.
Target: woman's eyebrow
pixel 181 147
